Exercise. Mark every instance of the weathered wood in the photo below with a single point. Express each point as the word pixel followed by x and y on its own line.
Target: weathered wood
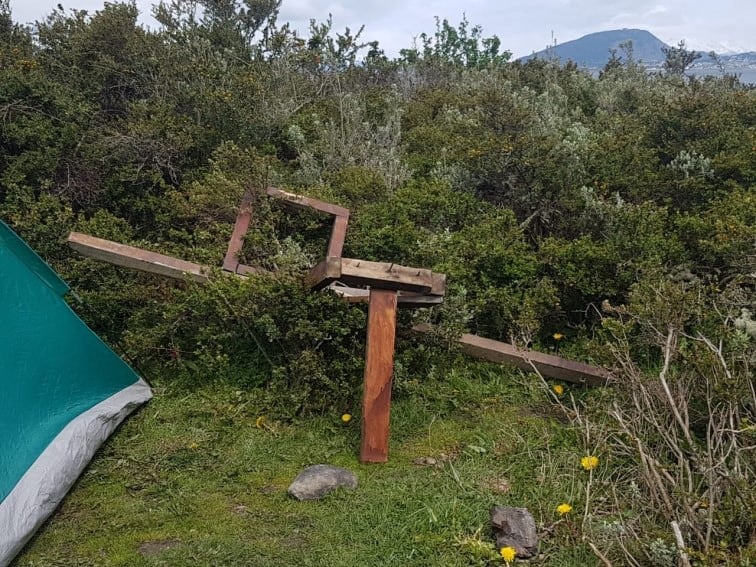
pixel 405 299
pixel 324 273
pixel 358 273
pixel 137 258
pixel 338 235
pixel 548 365
pixel 379 368
pixel 438 286
pixel 385 275
pixel 231 261
pixel 301 202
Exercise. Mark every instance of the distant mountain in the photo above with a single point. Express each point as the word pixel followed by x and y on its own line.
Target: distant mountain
pixel 593 50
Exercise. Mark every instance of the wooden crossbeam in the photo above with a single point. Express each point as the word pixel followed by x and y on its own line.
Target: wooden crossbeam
pixel 383 275
pixel 302 202
pixel 548 365
pixel 340 216
pixel 244 217
pixel 404 298
pixel 137 258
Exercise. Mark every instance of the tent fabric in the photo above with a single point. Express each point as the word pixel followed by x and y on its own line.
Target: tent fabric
pixel 64 393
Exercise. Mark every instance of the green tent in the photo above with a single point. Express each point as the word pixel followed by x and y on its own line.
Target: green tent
pixel 63 393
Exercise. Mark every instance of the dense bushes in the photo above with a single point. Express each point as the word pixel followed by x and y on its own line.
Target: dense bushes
pixel 620 210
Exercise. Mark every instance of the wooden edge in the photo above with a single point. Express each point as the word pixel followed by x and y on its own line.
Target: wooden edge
pixel 548 365
pixel 235 243
pixel 302 202
pixel 137 258
pixel 385 275
pixel 324 273
pixel 438 285
pixel 338 235
pixel 379 370
pixel 405 299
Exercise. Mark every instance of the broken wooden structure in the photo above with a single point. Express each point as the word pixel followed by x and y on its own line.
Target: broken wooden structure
pixel 547 365
pixel 384 286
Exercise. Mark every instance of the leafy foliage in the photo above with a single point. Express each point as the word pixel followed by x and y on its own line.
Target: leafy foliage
pixel 603 209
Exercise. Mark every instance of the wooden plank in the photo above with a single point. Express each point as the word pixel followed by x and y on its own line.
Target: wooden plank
pixel 379 368
pixel 231 260
pixel 137 258
pixel 405 298
pixel 548 365
pixel 438 286
pixel 301 202
pixel 338 235
pixel 324 273
pixel 385 275
pixel 361 273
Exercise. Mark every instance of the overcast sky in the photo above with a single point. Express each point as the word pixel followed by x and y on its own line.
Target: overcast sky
pixel 524 26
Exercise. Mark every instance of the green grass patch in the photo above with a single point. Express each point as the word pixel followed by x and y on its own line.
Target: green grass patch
pixel 197 478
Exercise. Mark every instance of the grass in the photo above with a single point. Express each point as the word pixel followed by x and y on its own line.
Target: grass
pixel 191 481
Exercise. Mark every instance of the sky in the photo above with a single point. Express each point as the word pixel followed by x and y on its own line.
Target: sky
pixel 524 26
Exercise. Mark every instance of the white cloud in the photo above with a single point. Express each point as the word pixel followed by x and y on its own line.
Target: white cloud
pixel 524 26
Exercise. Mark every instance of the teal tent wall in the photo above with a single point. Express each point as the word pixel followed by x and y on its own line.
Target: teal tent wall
pixel 63 392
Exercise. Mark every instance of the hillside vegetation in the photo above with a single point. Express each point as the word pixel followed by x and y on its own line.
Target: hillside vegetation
pixel 611 219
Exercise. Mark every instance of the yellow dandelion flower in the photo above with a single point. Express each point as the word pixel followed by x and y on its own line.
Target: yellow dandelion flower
pixel 508 553
pixel 557 336
pixel 589 462
pixel 558 389
pixel 193 445
pixel 260 421
pixel 346 418
pixel 564 509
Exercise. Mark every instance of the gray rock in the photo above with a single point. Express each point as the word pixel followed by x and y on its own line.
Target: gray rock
pixel 515 527
pixel 318 480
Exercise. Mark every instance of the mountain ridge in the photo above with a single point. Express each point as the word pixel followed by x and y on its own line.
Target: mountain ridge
pixel 594 50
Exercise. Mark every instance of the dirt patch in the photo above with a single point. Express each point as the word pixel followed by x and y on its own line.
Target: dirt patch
pixel 499 485
pixel 158 546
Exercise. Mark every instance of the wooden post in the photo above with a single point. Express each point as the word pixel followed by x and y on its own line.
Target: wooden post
pixel 241 226
pixel 379 368
pixel 338 234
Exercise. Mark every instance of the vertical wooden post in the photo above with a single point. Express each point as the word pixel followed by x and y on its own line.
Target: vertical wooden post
pixel 379 368
pixel 231 261
pixel 338 234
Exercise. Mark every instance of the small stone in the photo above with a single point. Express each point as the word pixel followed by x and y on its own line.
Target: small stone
pixel 318 480
pixel 515 527
pixel 425 462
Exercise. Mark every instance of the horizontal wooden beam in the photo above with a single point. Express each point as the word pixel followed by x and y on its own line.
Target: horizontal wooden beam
pixel 361 273
pixel 301 202
pixel 137 258
pixel 548 365
pixel 405 299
